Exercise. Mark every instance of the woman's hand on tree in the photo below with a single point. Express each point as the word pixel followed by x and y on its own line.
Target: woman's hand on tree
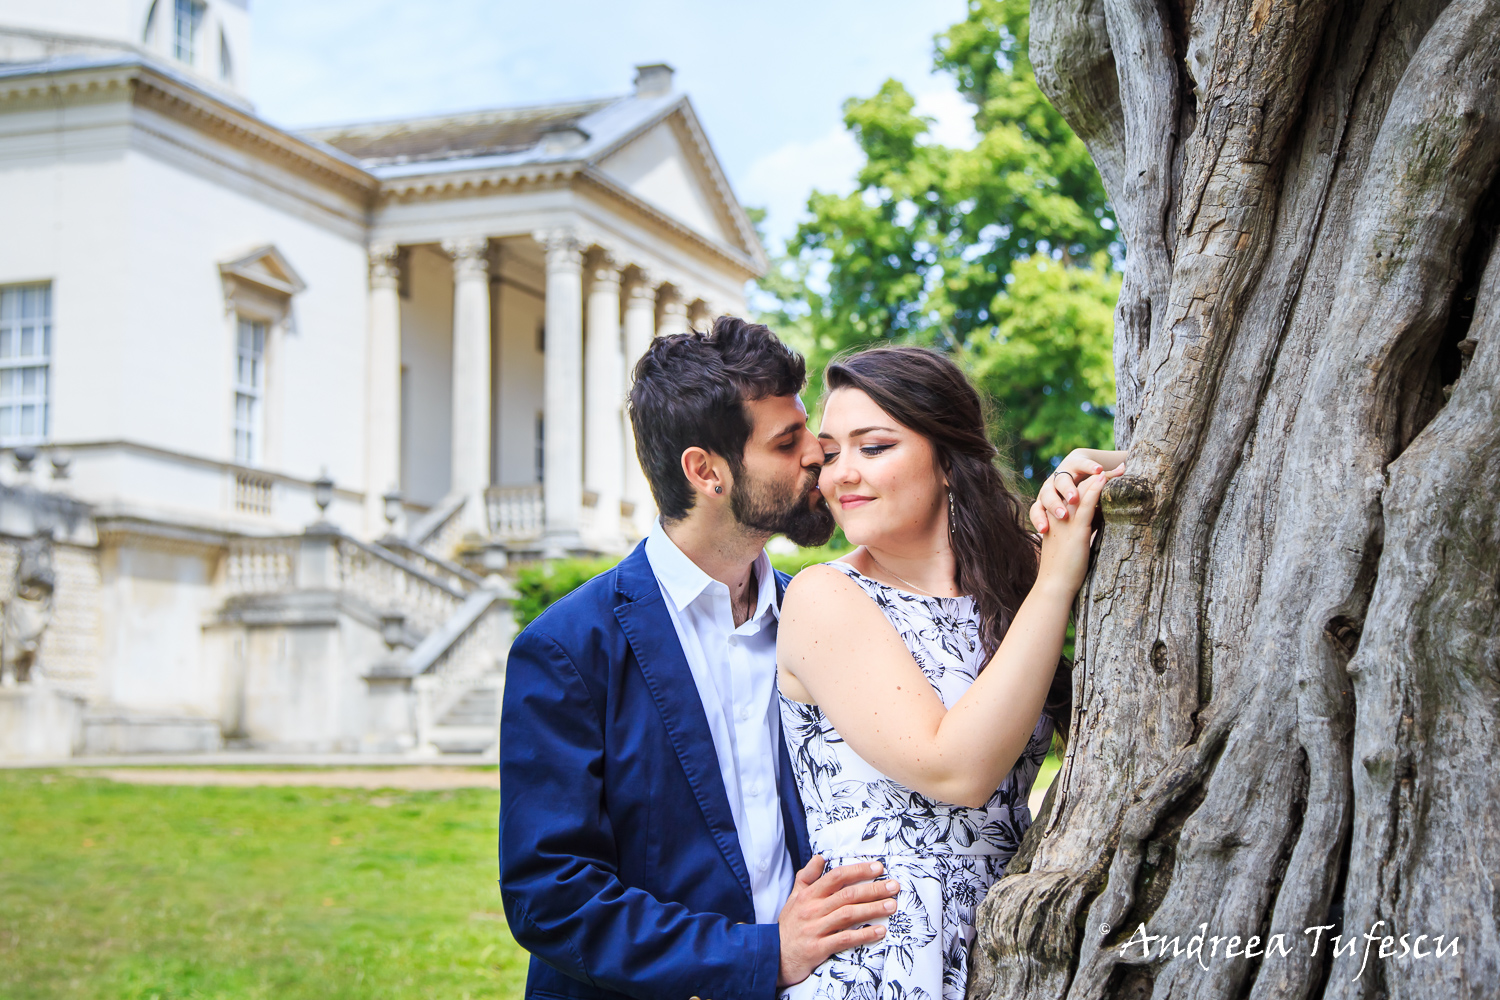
pixel 1059 493
pixel 1065 543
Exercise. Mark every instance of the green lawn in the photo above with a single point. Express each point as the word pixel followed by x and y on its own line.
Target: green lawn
pixel 131 892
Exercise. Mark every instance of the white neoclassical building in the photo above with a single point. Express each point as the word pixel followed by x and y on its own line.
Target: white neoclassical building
pixel 412 335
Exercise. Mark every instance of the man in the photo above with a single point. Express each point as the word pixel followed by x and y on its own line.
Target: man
pixel 650 829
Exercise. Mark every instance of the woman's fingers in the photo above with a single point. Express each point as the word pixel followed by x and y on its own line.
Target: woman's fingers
pixel 1092 487
pixel 1038 517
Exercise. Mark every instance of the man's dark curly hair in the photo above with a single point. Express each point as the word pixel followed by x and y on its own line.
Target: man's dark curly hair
pixel 690 389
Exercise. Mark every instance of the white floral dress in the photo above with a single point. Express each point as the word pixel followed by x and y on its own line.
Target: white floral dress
pixel 946 856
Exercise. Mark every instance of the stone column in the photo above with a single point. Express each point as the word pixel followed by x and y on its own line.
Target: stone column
pixel 470 470
pixel 562 475
pixel 382 386
pixel 701 315
pixel 674 314
pixel 603 465
pixel 640 328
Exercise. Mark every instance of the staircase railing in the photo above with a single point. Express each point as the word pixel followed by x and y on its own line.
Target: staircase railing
pixel 434 565
pixel 468 647
pixel 441 528
pixel 465 624
pixel 385 580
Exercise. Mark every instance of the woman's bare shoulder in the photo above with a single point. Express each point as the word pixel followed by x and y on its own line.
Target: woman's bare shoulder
pixel 821 594
pixel 818 583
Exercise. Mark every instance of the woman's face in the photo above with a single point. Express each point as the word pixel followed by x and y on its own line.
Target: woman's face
pixel 881 480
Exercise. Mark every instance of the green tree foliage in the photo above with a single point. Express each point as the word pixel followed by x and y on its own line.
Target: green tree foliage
pixel 1047 363
pixel 998 253
pixel 548 581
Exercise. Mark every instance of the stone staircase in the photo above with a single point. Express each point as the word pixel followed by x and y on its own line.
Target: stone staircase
pixel 446 629
pixel 472 724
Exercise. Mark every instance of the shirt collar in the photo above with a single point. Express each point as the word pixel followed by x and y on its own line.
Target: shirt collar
pixel 684 580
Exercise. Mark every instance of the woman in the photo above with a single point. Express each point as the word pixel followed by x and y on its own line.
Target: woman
pixel 913 671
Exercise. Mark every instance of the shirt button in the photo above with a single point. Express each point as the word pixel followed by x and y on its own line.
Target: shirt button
pixel 754 788
pixel 764 865
pixel 745 715
pixel 734 640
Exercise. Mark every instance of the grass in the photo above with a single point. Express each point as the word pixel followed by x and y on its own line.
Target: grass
pixel 1048 771
pixel 133 892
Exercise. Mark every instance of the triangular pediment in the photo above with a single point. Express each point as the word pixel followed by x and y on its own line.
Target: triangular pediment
pixel 267 268
pixel 668 165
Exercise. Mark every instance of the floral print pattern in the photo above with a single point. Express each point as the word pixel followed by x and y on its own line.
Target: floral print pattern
pixel 946 856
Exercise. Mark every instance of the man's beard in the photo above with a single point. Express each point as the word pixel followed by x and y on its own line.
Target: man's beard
pixel 801 514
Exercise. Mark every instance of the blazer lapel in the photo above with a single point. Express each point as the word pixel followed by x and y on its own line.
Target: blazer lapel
pixel 648 627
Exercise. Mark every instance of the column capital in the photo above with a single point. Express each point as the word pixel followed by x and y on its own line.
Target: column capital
pixel 471 254
pixel 385 267
pixel 606 269
pixel 641 289
pixel 564 248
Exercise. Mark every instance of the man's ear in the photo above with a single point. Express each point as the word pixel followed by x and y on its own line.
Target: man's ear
pixel 706 472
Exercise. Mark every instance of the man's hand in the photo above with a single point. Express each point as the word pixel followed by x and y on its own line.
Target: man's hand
pixel 822 915
pixel 1059 493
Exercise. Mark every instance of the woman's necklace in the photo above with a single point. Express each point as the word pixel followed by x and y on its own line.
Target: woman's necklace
pixel 885 569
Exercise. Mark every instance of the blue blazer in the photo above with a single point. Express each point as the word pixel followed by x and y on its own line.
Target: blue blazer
pixel 620 865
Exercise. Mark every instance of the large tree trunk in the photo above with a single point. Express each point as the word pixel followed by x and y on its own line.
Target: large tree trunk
pixel 1287 697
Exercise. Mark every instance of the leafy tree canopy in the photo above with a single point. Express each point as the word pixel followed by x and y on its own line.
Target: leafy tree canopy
pixel 998 253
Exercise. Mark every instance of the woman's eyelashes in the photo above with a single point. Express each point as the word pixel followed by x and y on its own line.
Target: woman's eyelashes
pixel 867 450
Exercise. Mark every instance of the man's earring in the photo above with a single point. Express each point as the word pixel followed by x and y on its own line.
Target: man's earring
pixel 718 489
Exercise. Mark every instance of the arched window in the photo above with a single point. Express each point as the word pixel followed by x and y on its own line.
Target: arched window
pixel 226 63
pixel 188 16
pixel 148 33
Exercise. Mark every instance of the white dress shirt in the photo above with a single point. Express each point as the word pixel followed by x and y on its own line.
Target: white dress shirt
pixel 735 671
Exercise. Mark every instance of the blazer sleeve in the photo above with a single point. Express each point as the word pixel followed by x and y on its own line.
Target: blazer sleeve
pixel 558 866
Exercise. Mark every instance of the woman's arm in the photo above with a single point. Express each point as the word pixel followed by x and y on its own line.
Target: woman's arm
pixel 835 641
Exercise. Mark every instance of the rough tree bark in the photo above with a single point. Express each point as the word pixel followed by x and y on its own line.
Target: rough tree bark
pixel 1287 696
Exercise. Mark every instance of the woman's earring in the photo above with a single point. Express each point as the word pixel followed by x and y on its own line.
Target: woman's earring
pixel 718 489
pixel 952 515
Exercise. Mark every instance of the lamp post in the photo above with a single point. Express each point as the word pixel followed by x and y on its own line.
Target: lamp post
pixel 394 508
pixel 323 495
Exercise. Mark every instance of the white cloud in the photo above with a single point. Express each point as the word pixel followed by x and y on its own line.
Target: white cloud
pixel 781 180
pixel 953 115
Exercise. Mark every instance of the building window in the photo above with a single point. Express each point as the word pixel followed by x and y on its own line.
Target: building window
pixel 249 389
pixel 25 359
pixel 187 15
pixel 226 62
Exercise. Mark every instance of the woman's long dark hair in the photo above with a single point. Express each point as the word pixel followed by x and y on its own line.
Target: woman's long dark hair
pixel 994 556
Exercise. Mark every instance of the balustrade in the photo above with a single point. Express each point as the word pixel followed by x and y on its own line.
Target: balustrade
pixel 515 512
pixel 261 565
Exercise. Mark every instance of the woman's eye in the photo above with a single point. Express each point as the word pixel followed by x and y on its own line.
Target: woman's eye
pixel 871 450
pixel 829 456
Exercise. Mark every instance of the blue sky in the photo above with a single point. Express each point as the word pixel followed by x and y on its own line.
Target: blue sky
pixel 768 78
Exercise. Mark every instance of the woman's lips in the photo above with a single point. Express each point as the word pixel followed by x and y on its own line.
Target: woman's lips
pixel 854 500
